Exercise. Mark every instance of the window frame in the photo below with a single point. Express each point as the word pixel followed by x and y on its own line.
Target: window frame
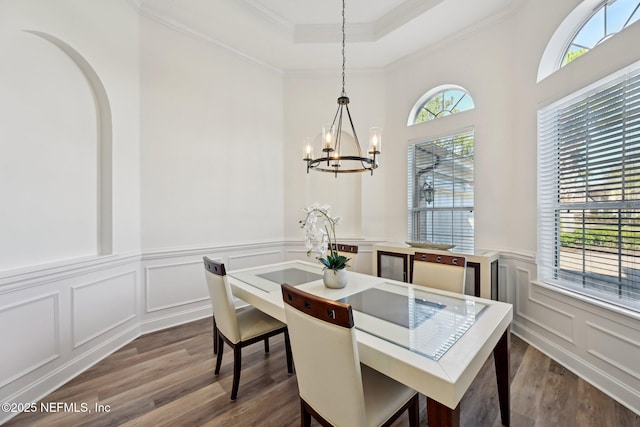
pixel 463 240
pixel 429 95
pixel 602 8
pixel 554 197
pixel 556 48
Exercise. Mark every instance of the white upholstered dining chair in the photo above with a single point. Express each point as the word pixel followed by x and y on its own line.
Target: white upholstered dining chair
pixel 440 271
pixel 349 251
pixel 238 329
pixel 334 387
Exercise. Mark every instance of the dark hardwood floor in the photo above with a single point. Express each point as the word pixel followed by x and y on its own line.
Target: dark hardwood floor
pixel 166 379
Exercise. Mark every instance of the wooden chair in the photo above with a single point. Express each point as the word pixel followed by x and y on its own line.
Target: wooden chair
pixel 334 387
pixel 238 329
pixel 439 271
pixel 350 251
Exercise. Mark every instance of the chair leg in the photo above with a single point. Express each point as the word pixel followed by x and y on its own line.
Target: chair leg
pixel 237 364
pixel 287 349
pixel 220 351
pixel 266 345
pixel 215 336
pixel 305 416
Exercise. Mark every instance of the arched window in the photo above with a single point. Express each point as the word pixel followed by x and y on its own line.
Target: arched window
pixel 588 25
pixel 608 19
pixel 440 102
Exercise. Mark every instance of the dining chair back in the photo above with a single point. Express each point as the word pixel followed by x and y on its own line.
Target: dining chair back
pixel 238 329
pixel 350 251
pixel 334 388
pixel 440 271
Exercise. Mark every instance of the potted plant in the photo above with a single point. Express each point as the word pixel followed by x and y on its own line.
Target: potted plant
pixel 320 237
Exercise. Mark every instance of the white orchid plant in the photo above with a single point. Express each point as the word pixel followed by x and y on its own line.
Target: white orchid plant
pixel 320 236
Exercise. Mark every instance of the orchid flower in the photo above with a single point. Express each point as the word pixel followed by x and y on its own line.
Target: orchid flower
pixel 320 235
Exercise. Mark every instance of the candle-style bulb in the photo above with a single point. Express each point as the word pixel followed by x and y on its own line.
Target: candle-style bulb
pixel 308 149
pixel 375 140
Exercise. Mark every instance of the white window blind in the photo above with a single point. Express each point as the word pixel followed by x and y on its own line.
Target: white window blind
pixel 446 166
pixel 589 191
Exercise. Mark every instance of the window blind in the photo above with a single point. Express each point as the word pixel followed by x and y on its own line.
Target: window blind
pixel 446 166
pixel 589 191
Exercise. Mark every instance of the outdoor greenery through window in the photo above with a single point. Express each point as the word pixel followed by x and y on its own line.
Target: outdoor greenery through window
pixel 610 18
pixel 441 182
pixel 443 103
pixel 589 190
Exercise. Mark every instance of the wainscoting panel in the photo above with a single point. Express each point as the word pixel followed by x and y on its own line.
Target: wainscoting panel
pixel 174 284
pixel 30 334
pixel 616 346
pixel 251 259
pixel 175 289
pixel 538 310
pixel 58 320
pixel 100 306
pixel 596 341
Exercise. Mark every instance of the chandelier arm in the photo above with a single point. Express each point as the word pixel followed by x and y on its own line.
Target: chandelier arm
pixel 355 136
pixel 339 132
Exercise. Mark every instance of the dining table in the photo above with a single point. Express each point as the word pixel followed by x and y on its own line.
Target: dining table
pixel 433 341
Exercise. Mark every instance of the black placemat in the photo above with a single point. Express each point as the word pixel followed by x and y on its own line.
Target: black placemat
pixel 291 276
pixel 392 307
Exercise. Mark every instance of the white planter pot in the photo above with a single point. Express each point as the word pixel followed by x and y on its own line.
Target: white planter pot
pixel 335 279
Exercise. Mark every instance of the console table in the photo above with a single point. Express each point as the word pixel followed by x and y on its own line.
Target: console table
pixel 392 260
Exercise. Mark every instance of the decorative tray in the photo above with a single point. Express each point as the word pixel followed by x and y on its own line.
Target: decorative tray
pixel 429 245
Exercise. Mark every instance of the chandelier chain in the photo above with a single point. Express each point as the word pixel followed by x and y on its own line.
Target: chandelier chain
pixel 333 160
pixel 343 43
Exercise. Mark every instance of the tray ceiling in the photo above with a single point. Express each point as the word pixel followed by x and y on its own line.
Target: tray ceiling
pixel 305 34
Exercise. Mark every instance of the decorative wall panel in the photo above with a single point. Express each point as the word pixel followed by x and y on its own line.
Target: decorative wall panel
pixel 30 335
pixel 174 284
pixel 100 306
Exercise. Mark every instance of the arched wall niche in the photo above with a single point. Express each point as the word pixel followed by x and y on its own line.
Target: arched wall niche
pixel 59 138
pixel 105 143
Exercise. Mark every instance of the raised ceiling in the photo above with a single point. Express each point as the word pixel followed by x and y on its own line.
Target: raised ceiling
pixel 305 34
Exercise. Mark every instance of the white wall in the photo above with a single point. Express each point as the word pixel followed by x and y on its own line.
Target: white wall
pixel 480 62
pixel 211 168
pixel 51 188
pixel 212 144
pixel 310 100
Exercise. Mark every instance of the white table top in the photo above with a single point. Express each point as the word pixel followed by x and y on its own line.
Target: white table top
pixel 430 340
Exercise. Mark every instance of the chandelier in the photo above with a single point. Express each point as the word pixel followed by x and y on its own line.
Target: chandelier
pixel 334 159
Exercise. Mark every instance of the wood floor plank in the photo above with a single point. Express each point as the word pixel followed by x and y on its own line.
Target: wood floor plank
pixel 166 379
pixel 169 413
pixel 528 385
pixel 558 397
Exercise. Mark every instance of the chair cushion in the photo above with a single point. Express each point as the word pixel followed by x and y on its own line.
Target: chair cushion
pixel 382 396
pixel 253 322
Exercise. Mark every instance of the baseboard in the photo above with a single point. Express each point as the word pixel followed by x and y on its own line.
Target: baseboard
pixel 174 319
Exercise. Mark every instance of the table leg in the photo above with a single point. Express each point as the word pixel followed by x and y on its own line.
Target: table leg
pixel 503 368
pixel 441 415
